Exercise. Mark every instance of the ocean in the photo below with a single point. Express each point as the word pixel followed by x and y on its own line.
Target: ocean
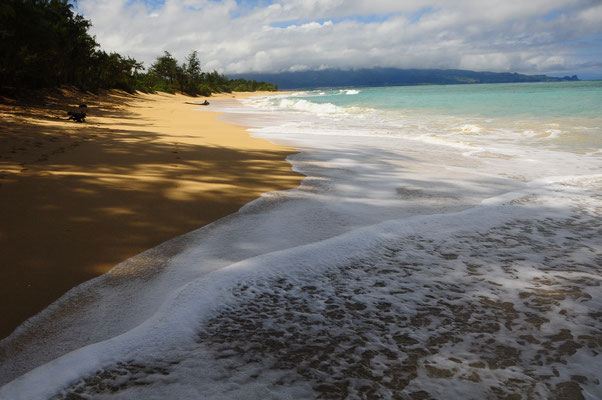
pixel 556 115
pixel 445 243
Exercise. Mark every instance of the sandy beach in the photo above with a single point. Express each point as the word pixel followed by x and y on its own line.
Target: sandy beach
pixel 77 199
pixel 404 265
pixel 290 200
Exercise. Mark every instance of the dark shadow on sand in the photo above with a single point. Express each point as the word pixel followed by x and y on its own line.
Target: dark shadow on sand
pixel 62 228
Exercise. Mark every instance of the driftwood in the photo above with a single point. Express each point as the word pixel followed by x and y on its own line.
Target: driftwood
pixel 205 103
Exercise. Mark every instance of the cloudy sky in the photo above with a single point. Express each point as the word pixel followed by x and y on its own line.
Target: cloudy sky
pixel 555 37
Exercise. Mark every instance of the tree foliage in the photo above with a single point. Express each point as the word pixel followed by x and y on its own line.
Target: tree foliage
pixel 43 43
pixel 167 75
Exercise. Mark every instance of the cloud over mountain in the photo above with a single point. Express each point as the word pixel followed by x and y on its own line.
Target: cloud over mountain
pixel 538 36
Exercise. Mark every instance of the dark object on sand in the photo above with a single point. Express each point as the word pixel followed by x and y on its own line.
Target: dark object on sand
pixel 205 103
pixel 77 116
pixel 83 106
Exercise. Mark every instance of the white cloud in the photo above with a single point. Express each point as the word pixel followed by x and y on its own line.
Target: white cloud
pixel 517 35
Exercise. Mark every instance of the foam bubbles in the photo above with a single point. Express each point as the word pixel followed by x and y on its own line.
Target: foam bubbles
pixel 569 133
pixel 432 304
pixel 413 260
pixel 469 129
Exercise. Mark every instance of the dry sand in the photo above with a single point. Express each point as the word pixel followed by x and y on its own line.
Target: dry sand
pixel 76 199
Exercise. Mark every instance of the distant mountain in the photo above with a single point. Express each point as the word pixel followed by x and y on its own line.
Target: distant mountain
pixel 391 77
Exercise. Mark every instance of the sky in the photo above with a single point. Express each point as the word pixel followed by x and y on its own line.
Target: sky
pixel 554 37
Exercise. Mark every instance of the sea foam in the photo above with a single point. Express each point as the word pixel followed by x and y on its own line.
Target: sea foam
pixel 411 261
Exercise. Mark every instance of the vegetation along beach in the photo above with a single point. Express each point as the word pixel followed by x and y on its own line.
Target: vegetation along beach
pixel 422 223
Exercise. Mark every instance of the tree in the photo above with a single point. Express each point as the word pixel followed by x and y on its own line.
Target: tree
pixel 115 71
pixel 166 69
pixel 43 44
pixel 194 67
pixel 193 74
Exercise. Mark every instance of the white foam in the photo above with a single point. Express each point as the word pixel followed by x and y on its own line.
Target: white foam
pixel 380 191
pixel 175 326
pixel 470 129
pixel 473 131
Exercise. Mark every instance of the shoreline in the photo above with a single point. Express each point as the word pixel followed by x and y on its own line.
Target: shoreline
pixel 438 269
pixel 78 199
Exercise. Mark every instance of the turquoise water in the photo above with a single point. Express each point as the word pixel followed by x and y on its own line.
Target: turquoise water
pixel 564 116
pixel 554 99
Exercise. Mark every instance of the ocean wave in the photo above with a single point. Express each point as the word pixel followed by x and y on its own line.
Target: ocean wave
pixel 507 138
pixel 470 129
pixel 464 261
pixel 250 320
pixel 311 107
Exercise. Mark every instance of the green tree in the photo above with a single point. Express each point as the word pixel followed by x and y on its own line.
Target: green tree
pixel 115 71
pixel 43 43
pixel 194 67
pixel 165 68
pixel 194 74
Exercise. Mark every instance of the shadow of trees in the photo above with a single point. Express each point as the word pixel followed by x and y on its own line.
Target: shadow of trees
pixel 76 199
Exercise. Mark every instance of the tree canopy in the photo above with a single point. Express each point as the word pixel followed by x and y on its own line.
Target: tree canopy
pixel 43 44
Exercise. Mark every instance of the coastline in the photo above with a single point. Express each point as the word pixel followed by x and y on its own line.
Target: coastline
pixel 450 269
pixel 77 199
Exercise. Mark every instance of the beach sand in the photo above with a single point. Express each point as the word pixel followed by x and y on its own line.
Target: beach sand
pixel 77 199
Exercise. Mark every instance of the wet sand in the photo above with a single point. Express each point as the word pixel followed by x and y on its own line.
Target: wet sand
pixel 77 199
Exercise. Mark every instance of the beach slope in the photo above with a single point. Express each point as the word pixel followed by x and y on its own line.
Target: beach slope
pixel 76 199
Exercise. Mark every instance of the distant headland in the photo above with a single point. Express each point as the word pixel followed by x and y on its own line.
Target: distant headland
pixel 391 77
